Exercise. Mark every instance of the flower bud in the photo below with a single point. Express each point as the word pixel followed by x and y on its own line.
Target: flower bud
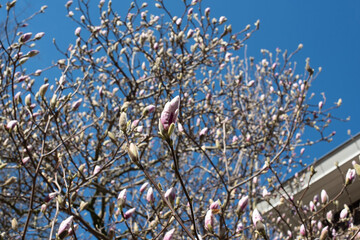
pixel 150 195
pixel 43 208
pixel 133 153
pixel 14 224
pixel 143 187
pixel 344 213
pixel 65 227
pixel 324 197
pixel 43 89
pixel 11 124
pixel 203 131
pixel 25 37
pixel 147 110
pixel 209 221
pixel 329 216
pixel 350 176
pixel 207 12
pixel 324 233
pixel 76 104
pixel 77 31
pixel 215 207
pixel 242 205
pixel 169 115
pixel 129 213
pixel 28 100
pixel 123 122
pixel 222 19
pixel 83 205
pixel 169 234
pixel 121 199
pixel 96 169
pixel 302 230
pixel 170 195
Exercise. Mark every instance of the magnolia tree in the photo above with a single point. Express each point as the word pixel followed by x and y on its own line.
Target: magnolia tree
pixel 156 126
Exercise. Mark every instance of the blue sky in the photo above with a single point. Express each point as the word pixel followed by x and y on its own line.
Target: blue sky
pixel 329 31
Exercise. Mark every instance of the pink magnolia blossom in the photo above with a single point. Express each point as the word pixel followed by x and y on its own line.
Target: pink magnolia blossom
pixel 97 169
pixel 25 37
pixel 344 213
pixel 25 160
pixel 312 206
pixel 11 124
pixel 324 233
pixel 77 31
pixel 180 128
pixel 129 213
pixel 324 197
pixel 256 217
pixel 170 113
pixel 215 207
pixel 350 176
pixel 65 227
pixel 240 227
pixel 170 195
pixel 302 230
pixel 329 216
pixel 209 221
pixel 169 234
pixel 143 187
pixel 203 131
pixel 76 104
pixel 207 11
pixel 243 203
pixel 39 35
pixel 121 198
pixel 150 195
pixel 149 109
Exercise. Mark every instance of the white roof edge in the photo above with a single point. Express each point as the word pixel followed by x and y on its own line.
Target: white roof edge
pixel 342 154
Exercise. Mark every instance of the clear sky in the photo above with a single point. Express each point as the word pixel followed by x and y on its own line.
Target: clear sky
pixel 329 31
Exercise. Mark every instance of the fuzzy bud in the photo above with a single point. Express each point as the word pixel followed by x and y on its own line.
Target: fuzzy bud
pixel 129 213
pixel 133 153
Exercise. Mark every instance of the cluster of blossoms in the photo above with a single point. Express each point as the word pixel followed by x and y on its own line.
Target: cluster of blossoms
pixel 144 120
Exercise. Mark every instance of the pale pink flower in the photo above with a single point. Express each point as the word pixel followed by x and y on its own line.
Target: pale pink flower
pixel 129 213
pixel 329 216
pixel 150 195
pixel 324 233
pixel 25 37
pixel 256 217
pixel 11 124
pixel 121 198
pixel 243 203
pixel 170 113
pixel 76 104
pixel 344 213
pixel 143 187
pixel 170 195
pixel 147 110
pixel 39 35
pixel 324 197
pixel 203 131
pixel 97 169
pixel 169 234
pixel 25 160
pixel 302 230
pixel 65 227
pixel 215 207
pixel 180 128
pixel 207 11
pixel 312 206
pixel 350 176
pixel 209 221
